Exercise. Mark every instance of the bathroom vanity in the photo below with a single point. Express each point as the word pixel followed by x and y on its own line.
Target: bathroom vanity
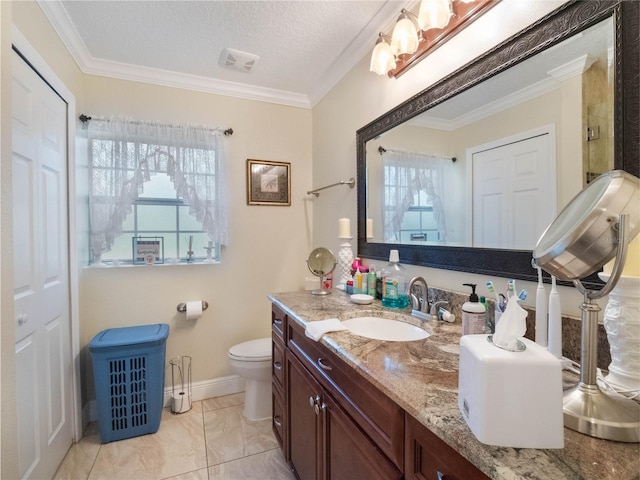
pixel 351 407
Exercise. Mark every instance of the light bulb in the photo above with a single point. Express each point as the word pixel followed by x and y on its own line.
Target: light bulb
pixel 405 36
pixel 382 58
pixel 434 14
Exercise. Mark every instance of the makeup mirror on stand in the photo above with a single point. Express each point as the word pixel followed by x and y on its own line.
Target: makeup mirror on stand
pixel 594 228
pixel 321 262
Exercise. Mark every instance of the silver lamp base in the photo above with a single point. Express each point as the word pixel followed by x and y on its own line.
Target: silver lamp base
pixel 320 292
pixel 610 416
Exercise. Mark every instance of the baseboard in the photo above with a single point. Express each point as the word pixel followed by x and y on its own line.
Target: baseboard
pixel 216 387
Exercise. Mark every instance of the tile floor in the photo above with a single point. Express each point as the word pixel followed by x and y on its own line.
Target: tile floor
pixel 213 441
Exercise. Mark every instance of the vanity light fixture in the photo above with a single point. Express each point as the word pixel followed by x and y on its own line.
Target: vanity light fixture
pixel 404 38
pixel 437 20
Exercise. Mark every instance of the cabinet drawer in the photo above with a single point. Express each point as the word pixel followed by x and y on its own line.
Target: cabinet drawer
pixel 278 417
pixel 378 416
pixel 429 458
pixel 278 321
pixel 277 363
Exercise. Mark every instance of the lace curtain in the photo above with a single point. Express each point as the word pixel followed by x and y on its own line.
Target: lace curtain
pixel 405 175
pixel 125 153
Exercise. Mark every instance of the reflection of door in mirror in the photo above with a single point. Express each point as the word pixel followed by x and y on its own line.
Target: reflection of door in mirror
pixel 568 87
pixel 514 189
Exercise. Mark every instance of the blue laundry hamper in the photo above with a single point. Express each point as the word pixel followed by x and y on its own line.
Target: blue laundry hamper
pixel 128 370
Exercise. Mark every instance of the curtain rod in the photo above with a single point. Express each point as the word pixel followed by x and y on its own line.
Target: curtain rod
pixel 382 150
pixel 84 119
pixel 351 182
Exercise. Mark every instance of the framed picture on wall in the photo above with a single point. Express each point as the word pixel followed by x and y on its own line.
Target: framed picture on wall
pixel 268 183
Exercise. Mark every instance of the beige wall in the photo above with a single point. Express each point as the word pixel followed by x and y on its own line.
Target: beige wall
pixel 362 96
pixel 267 248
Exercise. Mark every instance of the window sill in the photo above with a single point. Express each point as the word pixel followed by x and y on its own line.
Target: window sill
pixel 111 265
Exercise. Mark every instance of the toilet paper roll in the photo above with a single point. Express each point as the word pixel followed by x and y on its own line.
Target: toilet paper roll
pixel 181 402
pixel 194 310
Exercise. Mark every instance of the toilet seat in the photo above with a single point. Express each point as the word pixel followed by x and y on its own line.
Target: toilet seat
pixel 252 351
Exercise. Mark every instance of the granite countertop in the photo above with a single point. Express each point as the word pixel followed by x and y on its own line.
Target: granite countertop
pixel 422 377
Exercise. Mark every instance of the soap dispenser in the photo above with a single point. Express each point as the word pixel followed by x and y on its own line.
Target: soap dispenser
pixel 473 313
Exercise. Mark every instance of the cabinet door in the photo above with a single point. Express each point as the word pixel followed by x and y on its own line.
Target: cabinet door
pixel 348 452
pixel 304 426
pixel 429 458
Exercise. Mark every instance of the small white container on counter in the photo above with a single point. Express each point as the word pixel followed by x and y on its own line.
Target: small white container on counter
pixel 511 398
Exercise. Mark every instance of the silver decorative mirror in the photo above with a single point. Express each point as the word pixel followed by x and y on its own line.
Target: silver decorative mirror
pixel 596 226
pixel 321 262
pixel 432 122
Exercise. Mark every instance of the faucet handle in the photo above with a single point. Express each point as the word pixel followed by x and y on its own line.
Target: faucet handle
pixel 434 307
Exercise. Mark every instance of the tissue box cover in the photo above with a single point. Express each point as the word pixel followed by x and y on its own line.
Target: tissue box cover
pixel 511 399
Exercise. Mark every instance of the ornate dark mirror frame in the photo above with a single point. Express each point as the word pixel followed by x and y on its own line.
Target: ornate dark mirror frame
pixel 564 22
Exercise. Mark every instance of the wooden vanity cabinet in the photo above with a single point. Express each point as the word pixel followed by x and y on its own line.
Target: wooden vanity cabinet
pixel 429 458
pixel 278 417
pixel 333 424
pixel 339 426
pixel 324 442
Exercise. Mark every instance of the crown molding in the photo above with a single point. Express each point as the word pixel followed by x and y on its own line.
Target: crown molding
pixel 352 54
pixel 509 101
pixel 360 47
pixel 64 27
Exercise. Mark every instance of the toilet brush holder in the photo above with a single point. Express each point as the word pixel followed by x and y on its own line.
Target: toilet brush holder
pixel 180 384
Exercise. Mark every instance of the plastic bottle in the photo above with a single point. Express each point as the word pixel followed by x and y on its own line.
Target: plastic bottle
pixel 394 283
pixel 371 281
pixel 473 314
pixel 357 282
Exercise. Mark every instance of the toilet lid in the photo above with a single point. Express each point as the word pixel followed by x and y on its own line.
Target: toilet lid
pixel 253 350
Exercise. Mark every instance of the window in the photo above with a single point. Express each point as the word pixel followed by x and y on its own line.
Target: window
pixel 159 212
pixel 151 180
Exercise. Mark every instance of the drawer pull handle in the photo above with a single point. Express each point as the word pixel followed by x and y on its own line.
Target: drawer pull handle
pixel 440 475
pixel 323 365
pixel 277 321
pixel 314 401
pixel 277 421
pixel 277 365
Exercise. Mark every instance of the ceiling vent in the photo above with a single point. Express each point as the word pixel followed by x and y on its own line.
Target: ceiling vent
pixel 238 60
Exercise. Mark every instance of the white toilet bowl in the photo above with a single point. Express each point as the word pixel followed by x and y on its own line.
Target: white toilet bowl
pixel 252 361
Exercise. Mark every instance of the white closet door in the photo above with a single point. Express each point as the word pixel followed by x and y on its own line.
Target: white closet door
pixel 41 274
pixel 514 197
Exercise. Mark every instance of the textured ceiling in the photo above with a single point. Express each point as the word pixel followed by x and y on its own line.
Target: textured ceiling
pixel 305 47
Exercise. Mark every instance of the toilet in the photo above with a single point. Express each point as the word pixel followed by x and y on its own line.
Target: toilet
pixel 252 361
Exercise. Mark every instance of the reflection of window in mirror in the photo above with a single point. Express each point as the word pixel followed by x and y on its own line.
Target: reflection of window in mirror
pixel 414 186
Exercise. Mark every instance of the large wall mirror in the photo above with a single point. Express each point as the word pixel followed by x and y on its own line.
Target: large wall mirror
pixel 468 173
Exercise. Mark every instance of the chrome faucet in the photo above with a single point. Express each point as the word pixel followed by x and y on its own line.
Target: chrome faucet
pixel 419 294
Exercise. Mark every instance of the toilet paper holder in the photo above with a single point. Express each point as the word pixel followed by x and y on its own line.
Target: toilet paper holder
pixel 182 307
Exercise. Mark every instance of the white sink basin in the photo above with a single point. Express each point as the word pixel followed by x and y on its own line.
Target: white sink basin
pixel 384 329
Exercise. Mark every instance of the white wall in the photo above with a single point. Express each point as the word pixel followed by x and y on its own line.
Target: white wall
pixel 362 96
